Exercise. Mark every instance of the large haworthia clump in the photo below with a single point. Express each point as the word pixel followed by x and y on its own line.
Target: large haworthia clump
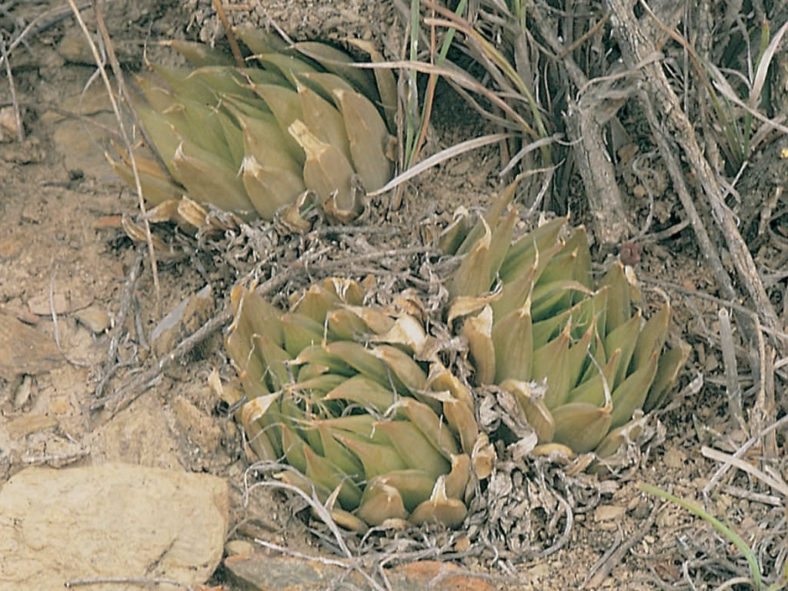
pixel 351 397
pixel 300 121
pixel 356 399
pixel 576 354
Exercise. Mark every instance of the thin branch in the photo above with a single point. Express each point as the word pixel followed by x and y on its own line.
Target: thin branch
pixel 635 46
pixel 20 130
pixel 110 363
pixel 607 564
pixel 741 451
pixel 239 60
pixel 116 109
pixel 777 485
pixel 731 371
pixel 141 581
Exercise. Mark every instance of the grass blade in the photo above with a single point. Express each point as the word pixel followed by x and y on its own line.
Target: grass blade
pixel 735 539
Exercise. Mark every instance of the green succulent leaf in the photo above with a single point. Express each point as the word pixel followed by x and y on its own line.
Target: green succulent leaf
pixel 252 140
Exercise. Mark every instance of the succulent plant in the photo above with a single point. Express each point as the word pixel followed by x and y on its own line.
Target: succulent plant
pixel 357 401
pixel 577 356
pixel 351 398
pixel 303 122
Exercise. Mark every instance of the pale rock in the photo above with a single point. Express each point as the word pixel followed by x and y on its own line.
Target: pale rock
pixel 264 572
pixel 234 547
pixel 110 520
pixel 26 424
pixel 609 512
pixel 675 458
pixel 95 318
pixel 197 426
pixel 8 124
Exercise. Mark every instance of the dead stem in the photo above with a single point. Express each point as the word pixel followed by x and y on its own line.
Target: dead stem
pixel 702 295
pixel 774 480
pixel 129 393
pixel 228 30
pixel 732 379
pixel 142 381
pixel 740 452
pixel 636 47
pixel 127 142
pixel 141 581
pixel 585 37
pixel 111 365
pixel 564 537
pixel 600 571
pixel 428 99
pixel 56 460
pixel 707 248
pixel 56 326
pixel 441 156
pixel 584 122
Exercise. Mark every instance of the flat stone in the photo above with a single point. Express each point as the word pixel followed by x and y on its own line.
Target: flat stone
pixel 95 318
pixel 195 425
pixel 609 512
pixel 263 572
pixel 110 520
pixel 10 248
pixel 82 143
pixel 234 547
pixel 25 153
pixel 441 576
pixel 8 126
pixel 25 350
pixel 75 48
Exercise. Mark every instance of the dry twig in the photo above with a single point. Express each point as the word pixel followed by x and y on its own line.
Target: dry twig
pixel 140 581
pixel 56 326
pixel 775 482
pixel 110 363
pixel 741 451
pixel 228 30
pixel 605 566
pixel 116 109
pixel 636 46
pixel 585 121
pixel 731 370
pixel 141 382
